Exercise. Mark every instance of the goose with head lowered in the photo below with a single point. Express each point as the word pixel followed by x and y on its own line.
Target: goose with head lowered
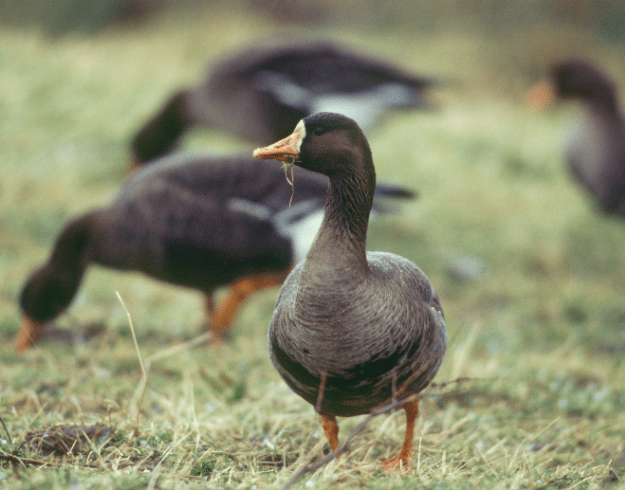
pixel 595 148
pixel 195 221
pixel 260 93
pixel 352 330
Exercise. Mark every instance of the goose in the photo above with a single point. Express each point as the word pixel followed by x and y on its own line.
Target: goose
pixel 595 148
pixel 352 330
pixel 193 220
pixel 260 93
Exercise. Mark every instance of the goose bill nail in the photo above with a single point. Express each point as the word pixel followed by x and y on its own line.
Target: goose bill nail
pixel 285 150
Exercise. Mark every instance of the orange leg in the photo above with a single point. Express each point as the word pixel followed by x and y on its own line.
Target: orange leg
pixel 331 429
pixel 29 332
pixel 404 456
pixel 220 322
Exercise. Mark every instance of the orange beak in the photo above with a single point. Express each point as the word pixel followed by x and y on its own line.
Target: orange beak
pixel 540 96
pixel 285 150
pixel 29 332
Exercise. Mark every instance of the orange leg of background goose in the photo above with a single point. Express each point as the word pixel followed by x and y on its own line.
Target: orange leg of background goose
pixel 239 291
pixel 331 429
pixel 405 455
pixel 29 332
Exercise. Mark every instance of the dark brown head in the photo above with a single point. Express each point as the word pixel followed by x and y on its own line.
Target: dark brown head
pixel 579 80
pixel 327 143
pixel 48 292
pixel 51 288
pixel 335 146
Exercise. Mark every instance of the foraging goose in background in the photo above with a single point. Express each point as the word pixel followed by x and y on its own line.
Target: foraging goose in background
pixel 352 330
pixel 595 149
pixel 261 93
pixel 194 221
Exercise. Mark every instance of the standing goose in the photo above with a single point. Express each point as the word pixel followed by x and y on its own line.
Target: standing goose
pixel 595 149
pixel 352 330
pixel 194 221
pixel 260 94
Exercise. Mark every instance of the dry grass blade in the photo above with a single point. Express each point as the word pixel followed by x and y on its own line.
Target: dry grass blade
pixel 134 336
pixel 292 179
pixel 144 379
pixel 66 439
pixel 177 349
pixel 7 431
pixel 21 461
pixel 156 473
pixel 21 436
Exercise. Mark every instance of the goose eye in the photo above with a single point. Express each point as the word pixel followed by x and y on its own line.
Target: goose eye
pixel 318 131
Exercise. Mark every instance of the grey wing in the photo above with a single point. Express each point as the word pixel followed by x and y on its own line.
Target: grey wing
pixel 418 325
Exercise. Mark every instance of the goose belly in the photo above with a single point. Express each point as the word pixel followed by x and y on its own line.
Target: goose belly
pixel 357 389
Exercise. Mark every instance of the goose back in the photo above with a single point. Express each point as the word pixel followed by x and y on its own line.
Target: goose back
pixel 260 93
pixel 201 222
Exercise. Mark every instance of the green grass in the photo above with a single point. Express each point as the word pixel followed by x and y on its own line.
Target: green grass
pixel 540 333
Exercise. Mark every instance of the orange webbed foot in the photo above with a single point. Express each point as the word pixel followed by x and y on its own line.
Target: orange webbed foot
pixel 399 462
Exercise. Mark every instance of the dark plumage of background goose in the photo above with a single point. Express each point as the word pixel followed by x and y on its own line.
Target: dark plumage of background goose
pixel 260 94
pixel 595 149
pixel 197 221
pixel 352 330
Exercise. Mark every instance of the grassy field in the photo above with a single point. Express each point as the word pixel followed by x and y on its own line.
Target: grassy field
pixel 537 332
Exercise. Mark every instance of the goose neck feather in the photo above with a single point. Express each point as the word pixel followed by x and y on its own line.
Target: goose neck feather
pixel 341 241
pixel 343 232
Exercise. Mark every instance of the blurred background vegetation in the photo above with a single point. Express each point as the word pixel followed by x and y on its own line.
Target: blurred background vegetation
pixel 604 17
pixel 531 276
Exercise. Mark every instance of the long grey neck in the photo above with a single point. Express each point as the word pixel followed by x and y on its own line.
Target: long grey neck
pixel 341 241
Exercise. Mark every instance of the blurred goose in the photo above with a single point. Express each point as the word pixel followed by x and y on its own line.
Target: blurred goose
pixel 261 93
pixel 595 149
pixel 194 221
pixel 352 330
